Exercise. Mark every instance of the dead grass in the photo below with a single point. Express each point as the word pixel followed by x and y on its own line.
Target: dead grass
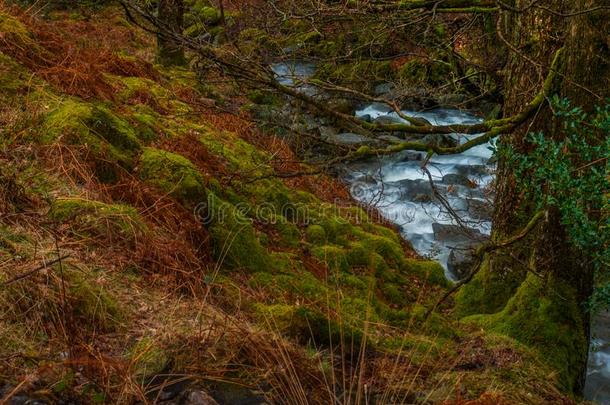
pixel 74 55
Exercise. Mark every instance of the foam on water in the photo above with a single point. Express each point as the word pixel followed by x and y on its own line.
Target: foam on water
pixel 388 183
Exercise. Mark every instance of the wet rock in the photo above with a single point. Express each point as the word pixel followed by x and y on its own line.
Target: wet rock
pixel 190 397
pixel 367 179
pixel 456 235
pixel 451 100
pixel 366 118
pixel 422 198
pixel 412 189
pixel 327 132
pixel 350 139
pixel 342 105
pixel 383 88
pixel 387 120
pixel 460 262
pixel 199 398
pixel 440 140
pixel 458 179
pixel 389 138
pixel 420 121
pixel 473 170
pixel 232 394
pixel 478 209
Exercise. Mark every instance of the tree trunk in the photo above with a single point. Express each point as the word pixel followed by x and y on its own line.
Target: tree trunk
pixel 535 308
pixel 171 20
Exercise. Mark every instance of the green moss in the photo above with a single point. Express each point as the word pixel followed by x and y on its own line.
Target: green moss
pixel 288 232
pixel 361 74
pixel 264 97
pixel 430 271
pixel 338 230
pixel 97 218
pixel 359 254
pixel 335 257
pixel 393 293
pixel 391 251
pixel 544 314
pixel 315 234
pixel 173 174
pixel 235 242
pixel 434 324
pixel 419 71
pixel 111 139
pixel 147 359
pixel 92 304
pixel 490 289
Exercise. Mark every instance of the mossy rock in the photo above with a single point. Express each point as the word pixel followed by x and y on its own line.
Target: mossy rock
pixel 419 71
pixel 315 234
pixel 362 74
pixel 430 271
pixel 294 283
pixel 236 244
pixel 310 325
pixel 489 290
pixel 174 174
pixel 544 314
pixel 92 305
pixel 338 230
pixel 112 141
pixel 290 236
pixel 148 358
pixel 95 218
pixel 335 257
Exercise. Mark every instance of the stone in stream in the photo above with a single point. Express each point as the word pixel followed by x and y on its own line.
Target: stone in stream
pixel 413 190
pixel 460 262
pixel 473 170
pixel 456 235
pixel 390 138
pixel 462 242
pixel 420 121
pixel 350 139
pixel 387 120
pixel 383 88
pixel 481 210
pixel 458 179
pixel 366 118
pixel 440 140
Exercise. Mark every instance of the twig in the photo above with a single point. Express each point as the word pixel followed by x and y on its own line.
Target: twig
pixel 29 273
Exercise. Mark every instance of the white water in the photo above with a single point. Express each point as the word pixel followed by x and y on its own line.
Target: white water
pixel 393 184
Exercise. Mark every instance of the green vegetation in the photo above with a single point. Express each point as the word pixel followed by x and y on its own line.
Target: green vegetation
pixel 173 174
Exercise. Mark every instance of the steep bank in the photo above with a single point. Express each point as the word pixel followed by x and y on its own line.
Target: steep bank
pixel 271 284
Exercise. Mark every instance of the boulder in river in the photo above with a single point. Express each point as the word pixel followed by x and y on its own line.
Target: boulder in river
pixel 460 262
pixel 440 140
pixel 458 179
pixel 390 138
pixel 350 139
pixel 387 120
pixel 473 170
pixel 479 209
pixel 456 235
pixel 411 190
pixel 383 89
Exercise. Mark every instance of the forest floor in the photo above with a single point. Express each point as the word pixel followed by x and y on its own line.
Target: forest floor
pixel 115 291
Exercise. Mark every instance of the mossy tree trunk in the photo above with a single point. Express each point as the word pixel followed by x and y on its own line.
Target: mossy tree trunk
pixel 171 20
pixel 536 35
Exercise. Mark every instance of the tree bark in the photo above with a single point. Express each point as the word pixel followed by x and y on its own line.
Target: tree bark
pixel 534 37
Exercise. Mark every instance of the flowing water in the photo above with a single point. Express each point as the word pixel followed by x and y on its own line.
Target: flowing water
pixel 398 187
pixel 401 191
